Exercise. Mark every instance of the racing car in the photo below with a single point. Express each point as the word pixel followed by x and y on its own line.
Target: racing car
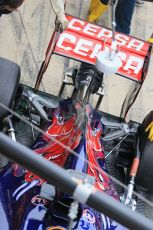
pixel 80 142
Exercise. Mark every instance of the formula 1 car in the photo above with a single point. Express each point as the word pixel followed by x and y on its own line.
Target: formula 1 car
pixel 70 133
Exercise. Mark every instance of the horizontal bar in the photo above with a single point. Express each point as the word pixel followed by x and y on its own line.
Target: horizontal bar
pixel 61 179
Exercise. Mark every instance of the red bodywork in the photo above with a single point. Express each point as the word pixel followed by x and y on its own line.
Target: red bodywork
pixel 65 133
pixel 82 41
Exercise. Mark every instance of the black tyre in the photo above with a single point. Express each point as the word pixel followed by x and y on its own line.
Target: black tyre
pixel 144 177
pixel 9 79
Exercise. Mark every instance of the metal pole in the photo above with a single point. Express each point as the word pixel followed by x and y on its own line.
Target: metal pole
pixel 62 180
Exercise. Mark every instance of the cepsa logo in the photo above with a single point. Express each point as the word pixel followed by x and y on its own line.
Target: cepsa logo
pixel 82 41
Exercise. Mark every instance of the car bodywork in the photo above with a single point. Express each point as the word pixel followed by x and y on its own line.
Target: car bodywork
pixel 73 127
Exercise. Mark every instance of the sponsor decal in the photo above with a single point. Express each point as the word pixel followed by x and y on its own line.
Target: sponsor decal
pixel 88 216
pixel 82 41
pixel 37 200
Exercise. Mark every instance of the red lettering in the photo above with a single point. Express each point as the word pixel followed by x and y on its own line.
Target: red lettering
pixel 104 33
pixel 91 29
pixel 83 41
pixel 121 39
pixel 83 47
pixel 65 37
pixel 76 24
pixel 136 44
pixel 134 64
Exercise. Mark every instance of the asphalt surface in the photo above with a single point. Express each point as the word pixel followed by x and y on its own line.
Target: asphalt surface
pixel 24 36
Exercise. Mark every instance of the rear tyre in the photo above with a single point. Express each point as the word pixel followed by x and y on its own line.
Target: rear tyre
pixel 9 79
pixel 144 178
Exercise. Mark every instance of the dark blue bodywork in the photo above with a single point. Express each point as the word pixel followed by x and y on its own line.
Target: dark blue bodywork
pixel 30 211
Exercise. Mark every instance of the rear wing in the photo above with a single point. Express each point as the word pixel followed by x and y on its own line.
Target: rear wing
pixel 82 41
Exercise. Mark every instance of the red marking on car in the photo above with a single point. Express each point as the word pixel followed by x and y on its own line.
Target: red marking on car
pixel 36 200
pixel 82 41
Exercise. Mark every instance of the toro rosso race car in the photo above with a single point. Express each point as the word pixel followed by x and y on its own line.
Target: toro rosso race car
pixel 58 153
